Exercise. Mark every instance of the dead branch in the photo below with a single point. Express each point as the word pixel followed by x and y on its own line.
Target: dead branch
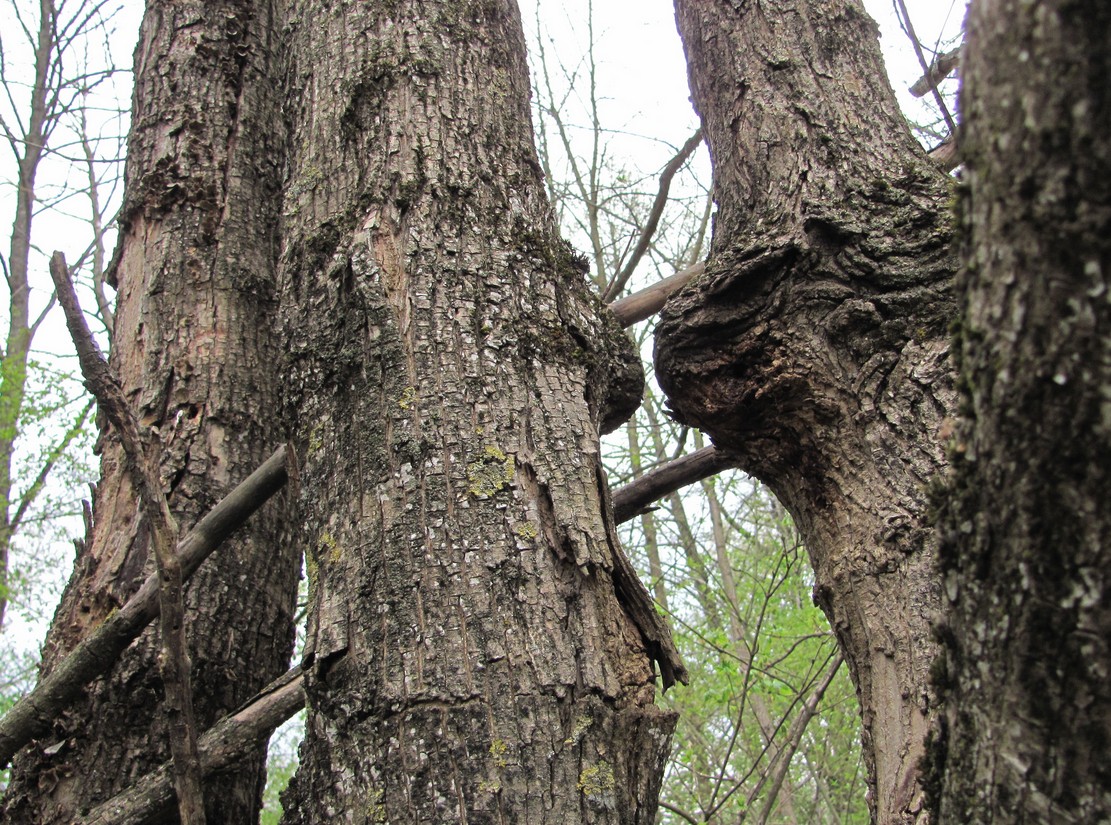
pixel 901 7
pixel 942 66
pixel 33 715
pixel 174 658
pixel 634 497
pixel 227 742
pixel 649 231
pixel 648 302
pixel 946 155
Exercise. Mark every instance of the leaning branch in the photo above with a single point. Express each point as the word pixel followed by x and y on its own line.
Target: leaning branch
pixel 33 715
pixel 649 231
pixel 174 658
pixel 227 742
pixel 648 302
pixel 632 499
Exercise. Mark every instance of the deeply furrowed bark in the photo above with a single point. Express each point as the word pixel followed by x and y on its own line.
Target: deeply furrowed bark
pixel 195 354
pixel 814 349
pixel 479 649
pixel 1026 534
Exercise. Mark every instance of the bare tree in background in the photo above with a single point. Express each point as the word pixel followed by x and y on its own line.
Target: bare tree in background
pixel 51 119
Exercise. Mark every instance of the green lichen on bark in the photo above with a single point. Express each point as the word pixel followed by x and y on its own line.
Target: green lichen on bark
pixel 491 473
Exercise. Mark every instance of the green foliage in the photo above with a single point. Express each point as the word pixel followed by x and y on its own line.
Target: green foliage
pixel 281 764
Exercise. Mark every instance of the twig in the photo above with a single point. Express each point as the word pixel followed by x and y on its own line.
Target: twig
pixel 33 715
pixel 174 659
pixel 646 235
pixel 228 741
pixel 648 302
pixel 794 737
pixel 634 497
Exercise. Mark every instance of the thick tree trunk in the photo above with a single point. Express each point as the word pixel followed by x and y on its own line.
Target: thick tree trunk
pixel 479 649
pixel 814 349
pixel 1026 538
pixel 195 351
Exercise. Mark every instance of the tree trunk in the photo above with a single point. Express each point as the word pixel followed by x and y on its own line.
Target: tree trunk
pixel 479 649
pixel 1026 536
pixel 814 348
pixel 195 351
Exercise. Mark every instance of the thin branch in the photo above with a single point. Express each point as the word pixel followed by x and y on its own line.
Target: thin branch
pixel 33 715
pixel 646 303
pixel 794 737
pixel 174 659
pixel 227 742
pixel 902 6
pixel 631 500
pixel 56 452
pixel 646 235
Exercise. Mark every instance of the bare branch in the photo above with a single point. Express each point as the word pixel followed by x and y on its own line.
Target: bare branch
pixel 228 741
pixel 902 7
pixel 646 303
pixel 33 714
pixel 174 660
pixel 646 235
pixel 942 66
pixel 946 155
pixel 634 497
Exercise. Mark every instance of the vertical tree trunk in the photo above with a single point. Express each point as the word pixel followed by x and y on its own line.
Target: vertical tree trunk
pixel 1026 549
pixel 479 648
pixel 815 346
pixel 195 350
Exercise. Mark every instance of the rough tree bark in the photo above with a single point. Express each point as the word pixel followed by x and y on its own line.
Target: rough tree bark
pixel 479 648
pixel 1026 548
pixel 814 349
pixel 195 351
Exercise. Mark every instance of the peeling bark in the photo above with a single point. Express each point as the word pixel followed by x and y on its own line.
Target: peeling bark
pixel 195 356
pixel 1026 532
pixel 479 649
pixel 814 349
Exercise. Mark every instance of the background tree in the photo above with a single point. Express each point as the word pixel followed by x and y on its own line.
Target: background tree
pixel 1026 532
pixel 196 356
pixel 814 350
pixel 56 119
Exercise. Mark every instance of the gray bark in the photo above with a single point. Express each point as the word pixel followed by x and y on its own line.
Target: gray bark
pixel 814 348
pixel 479 649
pixel 1026 548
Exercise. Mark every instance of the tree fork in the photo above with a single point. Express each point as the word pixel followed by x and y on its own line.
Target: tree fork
pixel 814 348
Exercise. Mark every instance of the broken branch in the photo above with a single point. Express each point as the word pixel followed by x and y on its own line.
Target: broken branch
pixel 634 497
pixel 174 658
pixel 33 715
pixel 228 741
pixel 646 303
